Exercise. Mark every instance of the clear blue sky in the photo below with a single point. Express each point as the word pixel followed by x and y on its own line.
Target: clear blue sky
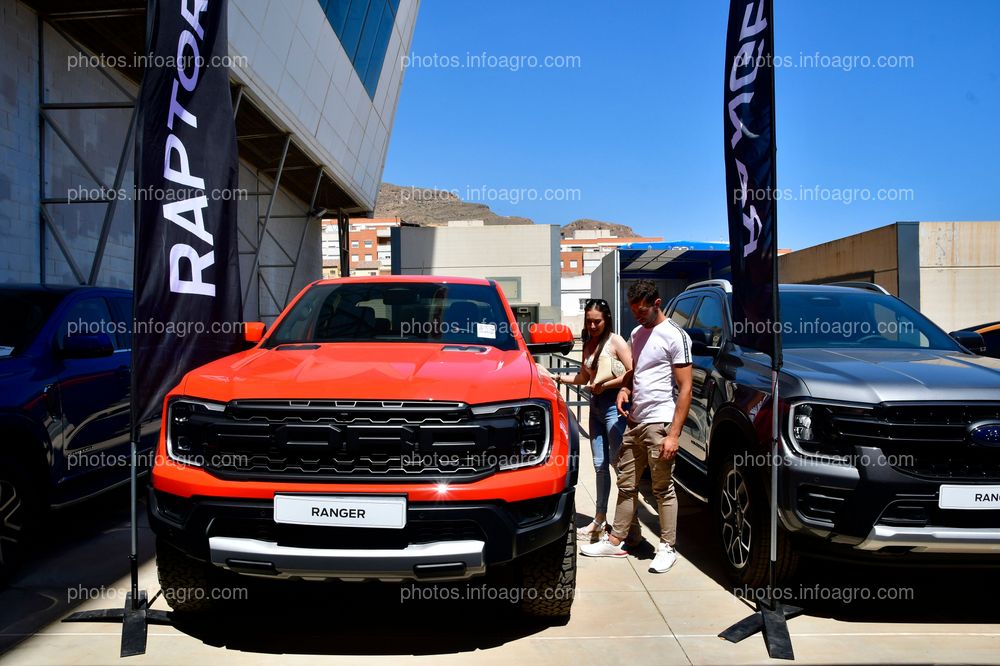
pixel 633 134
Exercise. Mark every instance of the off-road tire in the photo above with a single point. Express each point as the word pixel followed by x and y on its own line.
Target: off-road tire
pixel 20 514
pixel 746 555
pixel 549 578
pixel 188 585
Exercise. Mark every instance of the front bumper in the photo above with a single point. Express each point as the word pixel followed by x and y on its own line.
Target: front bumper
pixel 440 541
pixel 933 539
pixel 871 508
pixel 437 560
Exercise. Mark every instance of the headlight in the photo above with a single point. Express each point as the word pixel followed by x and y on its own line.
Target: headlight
pixel 186 431
pixel 531 432
pixel 817 430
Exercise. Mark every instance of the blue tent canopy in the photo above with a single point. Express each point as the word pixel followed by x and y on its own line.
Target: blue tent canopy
pixel 690 260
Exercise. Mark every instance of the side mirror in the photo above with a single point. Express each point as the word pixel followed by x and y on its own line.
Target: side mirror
pixel 970 340
pixel 550 339
pixel 253 332
pixel 701 342
pixel 87 346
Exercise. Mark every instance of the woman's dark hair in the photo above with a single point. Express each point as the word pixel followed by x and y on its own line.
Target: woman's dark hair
pixel 601 306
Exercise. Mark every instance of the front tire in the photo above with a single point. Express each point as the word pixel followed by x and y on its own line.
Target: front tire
pixel 20 511
pixel 188 585
pixel 549 578
pixel 741 511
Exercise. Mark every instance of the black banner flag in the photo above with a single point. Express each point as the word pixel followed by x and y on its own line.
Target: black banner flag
pixel 187 283
pixel 751 176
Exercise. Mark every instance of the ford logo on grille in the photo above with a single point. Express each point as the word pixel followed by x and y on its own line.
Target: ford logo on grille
pixel 985 434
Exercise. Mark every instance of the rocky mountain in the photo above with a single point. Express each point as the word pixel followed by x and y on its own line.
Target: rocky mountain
pixel 431 207
pixel 619 230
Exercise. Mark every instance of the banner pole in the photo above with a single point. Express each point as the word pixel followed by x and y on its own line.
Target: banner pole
pixel 135 616
pixel 755 260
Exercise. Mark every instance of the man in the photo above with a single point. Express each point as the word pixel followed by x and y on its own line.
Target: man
pixel 662 355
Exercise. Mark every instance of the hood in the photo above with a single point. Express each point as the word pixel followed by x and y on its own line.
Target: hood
pixel 366 371
pixel 877 375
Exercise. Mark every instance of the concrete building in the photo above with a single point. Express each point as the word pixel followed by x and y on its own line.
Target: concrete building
pixel 370 246
pixel 950 271
pixel 522 258
pixel 315 86
pixel 581 254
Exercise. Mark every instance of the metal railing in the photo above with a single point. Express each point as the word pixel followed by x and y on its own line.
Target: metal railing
pixel 559 364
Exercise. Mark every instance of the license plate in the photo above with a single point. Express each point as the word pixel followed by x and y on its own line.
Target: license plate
pixel 341 510
pixel 969 497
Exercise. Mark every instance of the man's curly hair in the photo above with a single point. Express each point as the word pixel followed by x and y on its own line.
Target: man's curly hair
pixel 643 291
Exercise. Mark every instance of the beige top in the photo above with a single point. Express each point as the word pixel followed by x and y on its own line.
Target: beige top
pixel 609 352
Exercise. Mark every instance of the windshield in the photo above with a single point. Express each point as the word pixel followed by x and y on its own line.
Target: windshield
pixel 856 319
pixel 397 312
pixel 25 312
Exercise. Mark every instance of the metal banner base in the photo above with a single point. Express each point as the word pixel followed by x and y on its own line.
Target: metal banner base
pixel 770 619
pixel 135 618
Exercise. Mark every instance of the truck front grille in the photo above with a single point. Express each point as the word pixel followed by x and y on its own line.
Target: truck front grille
pixel 927 440
pixel 347 440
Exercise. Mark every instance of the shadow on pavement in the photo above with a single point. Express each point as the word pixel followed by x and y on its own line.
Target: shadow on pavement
pixel 901 592
pixel 361 619
pixel 81 554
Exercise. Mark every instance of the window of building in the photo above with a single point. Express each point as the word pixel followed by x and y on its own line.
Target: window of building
pixel 573 263
pixel 511 287
pixel 368 243
pixel 354 257
pixel 354 244
pixel 368 257
pixel 364 27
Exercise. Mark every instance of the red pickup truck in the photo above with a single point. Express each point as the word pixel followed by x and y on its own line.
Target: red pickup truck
pixel 393 428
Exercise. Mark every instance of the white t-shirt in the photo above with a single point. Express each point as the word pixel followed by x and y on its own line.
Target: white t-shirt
pixel 654 353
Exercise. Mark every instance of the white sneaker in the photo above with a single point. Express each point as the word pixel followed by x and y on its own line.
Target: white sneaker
pixel 591 532
pixel 665 558
pixel 603 548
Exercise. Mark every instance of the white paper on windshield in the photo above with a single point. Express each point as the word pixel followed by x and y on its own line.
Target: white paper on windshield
pixel 6 351
pixel 486 331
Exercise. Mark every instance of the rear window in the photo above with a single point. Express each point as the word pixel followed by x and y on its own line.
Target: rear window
pixel 397 312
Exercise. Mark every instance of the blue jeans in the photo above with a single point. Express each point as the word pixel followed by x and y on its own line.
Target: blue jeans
pixel 607 427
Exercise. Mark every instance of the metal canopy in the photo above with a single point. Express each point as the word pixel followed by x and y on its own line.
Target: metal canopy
pixel 116 29
pixel 690 260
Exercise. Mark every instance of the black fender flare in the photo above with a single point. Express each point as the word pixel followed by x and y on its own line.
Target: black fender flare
pixel 573 460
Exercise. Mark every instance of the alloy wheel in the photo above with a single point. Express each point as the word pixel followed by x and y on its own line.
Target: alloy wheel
pixel 734 509
pixel 11 519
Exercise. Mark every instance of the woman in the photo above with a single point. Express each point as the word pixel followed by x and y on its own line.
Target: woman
pixel 606 425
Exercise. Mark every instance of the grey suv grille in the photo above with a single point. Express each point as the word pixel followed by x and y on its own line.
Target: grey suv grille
pixel 928 440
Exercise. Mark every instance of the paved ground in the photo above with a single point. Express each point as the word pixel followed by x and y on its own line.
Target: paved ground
pixel 622 613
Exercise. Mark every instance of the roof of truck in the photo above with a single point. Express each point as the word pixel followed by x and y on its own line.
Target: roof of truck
pixel 434 279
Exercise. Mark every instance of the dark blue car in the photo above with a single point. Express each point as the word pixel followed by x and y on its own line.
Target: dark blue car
pixel 65 359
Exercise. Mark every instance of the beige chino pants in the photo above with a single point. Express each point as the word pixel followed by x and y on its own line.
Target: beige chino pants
pixel 641 449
